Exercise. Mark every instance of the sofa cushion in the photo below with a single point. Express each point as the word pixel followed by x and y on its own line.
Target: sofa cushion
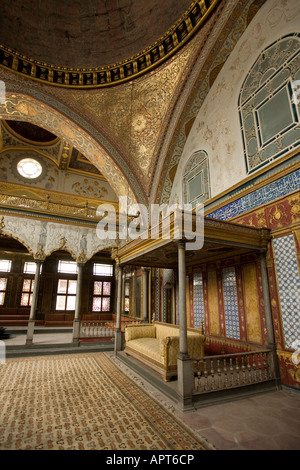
pixel 162 331
pixel 139 331
pixel 149 347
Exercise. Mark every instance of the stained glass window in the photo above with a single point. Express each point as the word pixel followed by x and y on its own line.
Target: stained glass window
pixel 27 290
pixel 196 179
pixel 66 294
pixel 101 296
pixel 106 288
pixel 97 288
pixel 97 304
pixel 269 104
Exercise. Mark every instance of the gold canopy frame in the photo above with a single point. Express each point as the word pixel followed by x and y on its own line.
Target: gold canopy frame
pixel 220 240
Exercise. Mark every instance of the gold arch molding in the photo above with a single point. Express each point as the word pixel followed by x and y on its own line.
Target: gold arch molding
pixel 25 108
pixel 183 30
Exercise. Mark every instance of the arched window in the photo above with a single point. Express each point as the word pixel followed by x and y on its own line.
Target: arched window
pixel 269 103
pixel 196 183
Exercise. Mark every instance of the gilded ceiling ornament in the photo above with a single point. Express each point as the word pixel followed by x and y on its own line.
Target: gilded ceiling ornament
pixel 63 242
pixel 82 257
pixel 40 255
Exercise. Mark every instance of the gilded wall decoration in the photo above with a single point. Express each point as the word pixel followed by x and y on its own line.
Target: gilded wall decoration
pixel 213 305
pixel 173 146
pixel 133 114
pixel 51 179
pixel 90 188
pixel 23 107
pixel 252 300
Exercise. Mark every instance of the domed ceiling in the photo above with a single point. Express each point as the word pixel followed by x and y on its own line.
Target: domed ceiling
pixel 89 33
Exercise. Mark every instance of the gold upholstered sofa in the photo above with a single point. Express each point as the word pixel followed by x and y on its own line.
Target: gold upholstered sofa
pixel 157 345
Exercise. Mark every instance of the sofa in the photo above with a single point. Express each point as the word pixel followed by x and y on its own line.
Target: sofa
pixel 157 345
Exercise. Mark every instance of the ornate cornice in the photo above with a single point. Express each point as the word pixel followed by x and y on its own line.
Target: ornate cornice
pixel 154 55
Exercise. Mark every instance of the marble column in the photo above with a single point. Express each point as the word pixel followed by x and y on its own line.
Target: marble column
pixel 76 322
pixel 146 295
pixel 35 293
pixel 118 334
pixel 184 363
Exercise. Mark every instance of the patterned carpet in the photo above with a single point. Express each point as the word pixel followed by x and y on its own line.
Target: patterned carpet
pixel 83 402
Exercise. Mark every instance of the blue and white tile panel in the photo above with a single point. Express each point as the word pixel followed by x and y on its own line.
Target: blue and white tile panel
pixel 288 280
pixel 231 303
pixel 198 299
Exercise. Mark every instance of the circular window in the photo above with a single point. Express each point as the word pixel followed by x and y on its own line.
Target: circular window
pixel 29 168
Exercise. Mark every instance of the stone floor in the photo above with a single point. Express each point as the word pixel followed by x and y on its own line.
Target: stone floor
pixel 269 421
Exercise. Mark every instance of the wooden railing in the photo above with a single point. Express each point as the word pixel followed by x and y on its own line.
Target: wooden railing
pixel 213 373
pixel 101 329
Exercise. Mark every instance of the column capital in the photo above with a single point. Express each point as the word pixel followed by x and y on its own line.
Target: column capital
pixel 40 255
pixel 181 244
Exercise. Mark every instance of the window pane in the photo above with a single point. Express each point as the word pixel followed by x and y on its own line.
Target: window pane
pixel 126 305
pixel 62 286
pixel 127 287
pixel 106 288
pixel 2 295
pixel 3 282
pixel 72 287
pixel 30 299
pixel 105 304
pixel 103 269
pixel 26 285
pixel 97 304
pixel 24 300
pixel 97 288
pixel 71 301
pixel 29 268
pixel 5 265
pixel 67 267
pixel 60 302
pixel 275 115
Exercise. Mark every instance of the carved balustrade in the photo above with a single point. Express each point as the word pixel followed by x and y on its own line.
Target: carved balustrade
pixel 214 373
pixel 101 329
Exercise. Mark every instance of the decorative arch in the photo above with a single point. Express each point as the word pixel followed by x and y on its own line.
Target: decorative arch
pixel 23 107
pixel 14 237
